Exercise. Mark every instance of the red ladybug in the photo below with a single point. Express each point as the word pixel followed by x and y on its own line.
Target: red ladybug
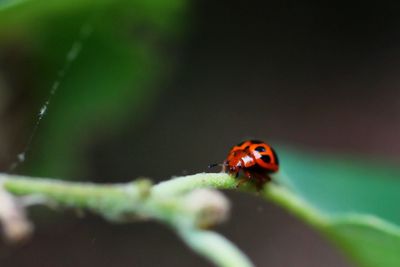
pixel 255 159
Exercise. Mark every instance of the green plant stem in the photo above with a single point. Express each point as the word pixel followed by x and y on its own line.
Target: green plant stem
pixel 163 202
pixel 184 184
pixel 295 205
pixel 123 198
pixel 215 247
pixel 272 191
pixel 107 200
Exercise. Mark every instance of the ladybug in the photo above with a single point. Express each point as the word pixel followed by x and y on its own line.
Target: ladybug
pixel 255 159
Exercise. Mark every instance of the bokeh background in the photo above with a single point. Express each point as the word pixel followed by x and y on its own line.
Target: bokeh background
pixel 163 88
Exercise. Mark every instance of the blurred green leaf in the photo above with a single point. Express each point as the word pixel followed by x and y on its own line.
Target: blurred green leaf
pixel 367 239
pixel 113 80
pixel 354 202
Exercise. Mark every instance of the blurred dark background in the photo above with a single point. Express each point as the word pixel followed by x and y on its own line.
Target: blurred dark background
pixel 316 77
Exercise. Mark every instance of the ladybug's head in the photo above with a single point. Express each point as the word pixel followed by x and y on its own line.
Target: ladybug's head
pixel 233 165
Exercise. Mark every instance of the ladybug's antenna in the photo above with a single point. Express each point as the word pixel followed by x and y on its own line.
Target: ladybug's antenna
pixel 217 164
pixel 213 165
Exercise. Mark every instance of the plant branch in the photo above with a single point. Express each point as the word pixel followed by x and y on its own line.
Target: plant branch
pixel 272 191
pixel 215 247
pixel 177 202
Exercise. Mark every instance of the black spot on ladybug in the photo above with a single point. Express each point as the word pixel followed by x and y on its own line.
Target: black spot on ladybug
pixel 256 141
pixel 275 156
pixel 260 149
pixel 247 147
pixel 266 158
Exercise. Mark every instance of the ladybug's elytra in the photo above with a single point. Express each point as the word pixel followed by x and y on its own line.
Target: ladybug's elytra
pixel 255 159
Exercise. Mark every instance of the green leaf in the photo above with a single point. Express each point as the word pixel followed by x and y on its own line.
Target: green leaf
pixel 353 202
pixel 367 239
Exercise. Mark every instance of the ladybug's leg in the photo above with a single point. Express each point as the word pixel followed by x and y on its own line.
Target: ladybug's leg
pixel 248 174
pixel 260 185
pixel 261 180
pixel 244 179
pixel 236 174
pixel 241 181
